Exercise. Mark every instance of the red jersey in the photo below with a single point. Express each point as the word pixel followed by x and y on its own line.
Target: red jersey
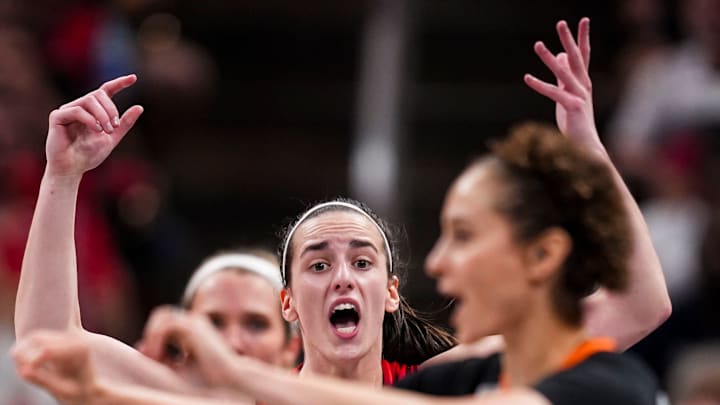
pixel 392 372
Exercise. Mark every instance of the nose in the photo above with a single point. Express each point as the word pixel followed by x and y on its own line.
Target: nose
pixel 434 260
pixel 235 338
pixel 344 278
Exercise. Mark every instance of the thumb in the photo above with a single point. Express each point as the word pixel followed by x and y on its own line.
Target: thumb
pixel 126 122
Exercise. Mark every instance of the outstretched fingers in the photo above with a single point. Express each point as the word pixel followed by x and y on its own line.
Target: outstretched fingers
pixel 553 92
pixel 562 73
pixel 584 40
pixel 577 65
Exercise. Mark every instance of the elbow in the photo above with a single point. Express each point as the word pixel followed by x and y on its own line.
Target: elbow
pixel 660 314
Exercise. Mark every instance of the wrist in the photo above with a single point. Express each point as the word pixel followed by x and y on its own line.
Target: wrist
pixel 61 180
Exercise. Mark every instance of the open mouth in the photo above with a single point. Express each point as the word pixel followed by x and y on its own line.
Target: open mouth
pixel 345 318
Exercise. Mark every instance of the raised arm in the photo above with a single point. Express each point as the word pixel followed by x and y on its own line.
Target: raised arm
pixel 81 135
pixel 76 142
pixel 633 314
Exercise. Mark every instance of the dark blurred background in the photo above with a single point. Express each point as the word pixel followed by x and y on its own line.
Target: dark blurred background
pixel 255 109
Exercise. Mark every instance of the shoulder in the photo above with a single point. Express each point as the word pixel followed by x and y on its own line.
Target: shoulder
pixel 454 378
pixel 604 378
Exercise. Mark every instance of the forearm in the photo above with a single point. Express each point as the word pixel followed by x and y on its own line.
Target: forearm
pixel 120 363
pixel 109 393
pixel 631 315
pixel 269 385
pixel 47 294
pixel 263 383
pixel 482 348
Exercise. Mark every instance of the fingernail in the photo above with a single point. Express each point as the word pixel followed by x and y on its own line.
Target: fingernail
pixel 116 121
pixel 98 126
pixel 109 126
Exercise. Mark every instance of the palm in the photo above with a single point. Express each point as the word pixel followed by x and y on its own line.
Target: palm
pixel 75 149
pixel 576 123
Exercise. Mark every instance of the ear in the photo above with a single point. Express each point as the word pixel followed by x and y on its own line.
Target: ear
pixel 546 254
pixel 392 303
pixel 287 305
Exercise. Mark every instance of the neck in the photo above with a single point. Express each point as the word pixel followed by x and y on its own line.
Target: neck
pixel 365 368
pixel 537 345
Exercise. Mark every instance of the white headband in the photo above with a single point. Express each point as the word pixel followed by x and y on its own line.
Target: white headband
pixel 318 207
pixel 248 262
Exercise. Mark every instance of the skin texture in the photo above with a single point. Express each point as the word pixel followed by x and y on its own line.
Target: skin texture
pixel 339 256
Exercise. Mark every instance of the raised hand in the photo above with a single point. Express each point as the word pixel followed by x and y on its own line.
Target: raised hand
pixel 57 362
pixel 82 133
pixel 573 92
pixel 174 337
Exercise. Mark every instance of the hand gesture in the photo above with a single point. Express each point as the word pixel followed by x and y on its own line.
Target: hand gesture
pixel 83 132
pixel 176 338
pixel 573 92
pixel 57 362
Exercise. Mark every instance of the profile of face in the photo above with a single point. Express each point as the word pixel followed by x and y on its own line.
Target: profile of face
pixel 244 308
pixel 477 260
pixel 339 288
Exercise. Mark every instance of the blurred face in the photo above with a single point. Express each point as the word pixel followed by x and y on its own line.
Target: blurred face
pixel 244 308
pixel 476 259
pixel 339 289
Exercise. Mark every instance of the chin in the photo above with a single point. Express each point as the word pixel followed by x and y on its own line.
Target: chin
pixel 349 352
pixel 468 332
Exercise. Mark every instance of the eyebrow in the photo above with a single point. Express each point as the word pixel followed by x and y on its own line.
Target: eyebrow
pixel 314 247
pixel 357 243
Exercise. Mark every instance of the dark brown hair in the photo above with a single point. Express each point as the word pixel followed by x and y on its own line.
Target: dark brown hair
pixel 552 182
pixel 409 336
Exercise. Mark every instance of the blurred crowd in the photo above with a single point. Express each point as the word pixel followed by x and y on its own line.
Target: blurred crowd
pixel 133 251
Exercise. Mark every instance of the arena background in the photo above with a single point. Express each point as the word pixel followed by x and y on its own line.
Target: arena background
pixel 256 108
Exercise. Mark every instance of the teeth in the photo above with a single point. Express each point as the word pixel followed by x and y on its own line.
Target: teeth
pixel 343 306
pixel 347 329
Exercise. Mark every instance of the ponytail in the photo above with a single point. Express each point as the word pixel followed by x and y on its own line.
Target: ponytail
pixel 409 337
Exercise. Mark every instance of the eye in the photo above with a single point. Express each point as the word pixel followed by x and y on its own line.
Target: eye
pixel 257 324
pixel 217 321
pixel 362 264
pixel 461 235
pixel 319 266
